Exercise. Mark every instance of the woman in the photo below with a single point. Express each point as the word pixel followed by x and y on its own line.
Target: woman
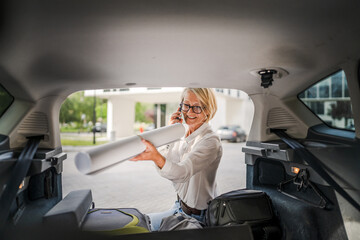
pixel 192 162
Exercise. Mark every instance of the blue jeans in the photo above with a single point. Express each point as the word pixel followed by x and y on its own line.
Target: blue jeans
pixel 156 218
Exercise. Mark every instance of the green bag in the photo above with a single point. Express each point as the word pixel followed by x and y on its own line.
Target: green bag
pixel 117 221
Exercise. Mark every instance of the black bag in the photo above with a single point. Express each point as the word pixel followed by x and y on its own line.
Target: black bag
pixel 244 206
pixel 116 221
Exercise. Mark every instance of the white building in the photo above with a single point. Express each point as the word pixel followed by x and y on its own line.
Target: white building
pixel 331 92
pixel 234 107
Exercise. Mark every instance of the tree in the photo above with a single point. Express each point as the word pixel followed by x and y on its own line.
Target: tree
pixel 143 112
pixel 101 109
pixel 67 111
pixel 77 105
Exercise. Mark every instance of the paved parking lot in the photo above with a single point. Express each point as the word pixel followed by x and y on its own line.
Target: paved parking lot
pixel 137 184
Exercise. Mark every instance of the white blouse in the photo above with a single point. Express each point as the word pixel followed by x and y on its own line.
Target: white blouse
pixel 191 165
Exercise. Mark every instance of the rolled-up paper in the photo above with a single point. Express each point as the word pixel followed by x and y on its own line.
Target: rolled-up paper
pixel 100 157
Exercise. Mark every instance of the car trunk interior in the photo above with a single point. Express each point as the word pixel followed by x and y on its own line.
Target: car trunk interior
pixel 50 49
pixel 304 218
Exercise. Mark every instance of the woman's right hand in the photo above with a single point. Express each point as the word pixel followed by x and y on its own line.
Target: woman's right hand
pixel 175 117
pixel 150 153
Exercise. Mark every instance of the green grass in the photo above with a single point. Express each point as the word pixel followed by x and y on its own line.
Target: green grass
pixel 72 142
pixel 74 130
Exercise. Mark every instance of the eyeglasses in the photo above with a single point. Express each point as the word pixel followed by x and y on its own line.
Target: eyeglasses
pixel 186 107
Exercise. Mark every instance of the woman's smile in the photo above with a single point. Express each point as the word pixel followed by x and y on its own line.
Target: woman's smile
pixel 191 117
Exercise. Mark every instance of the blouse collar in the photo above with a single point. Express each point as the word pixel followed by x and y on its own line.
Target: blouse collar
pixel 197 132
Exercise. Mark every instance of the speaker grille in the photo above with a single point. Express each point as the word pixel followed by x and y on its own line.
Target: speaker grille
pixel 278 117
pixel 35 123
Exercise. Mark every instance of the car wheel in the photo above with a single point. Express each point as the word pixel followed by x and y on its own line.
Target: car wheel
pixel 238 139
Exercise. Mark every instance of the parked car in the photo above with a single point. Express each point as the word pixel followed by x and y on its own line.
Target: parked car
pixel 100 127
pixel 297 60
pixel 232 133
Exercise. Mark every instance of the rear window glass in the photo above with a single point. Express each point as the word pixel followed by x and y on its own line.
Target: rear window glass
pixel 5 100
pixel 329 99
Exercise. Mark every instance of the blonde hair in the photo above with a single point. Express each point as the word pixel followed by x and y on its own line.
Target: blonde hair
pixel 207 99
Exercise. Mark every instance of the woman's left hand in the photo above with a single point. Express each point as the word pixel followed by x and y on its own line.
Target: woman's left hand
pixel 150 153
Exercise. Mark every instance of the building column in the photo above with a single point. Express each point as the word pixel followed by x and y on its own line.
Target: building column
pixel 120 117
